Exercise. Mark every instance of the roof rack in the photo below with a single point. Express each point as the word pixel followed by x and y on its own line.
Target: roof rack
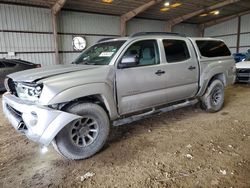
pixel 156 33
pixel 105 39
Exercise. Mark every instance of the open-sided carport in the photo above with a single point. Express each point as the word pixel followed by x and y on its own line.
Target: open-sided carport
pixel 45 33
pixel 185 148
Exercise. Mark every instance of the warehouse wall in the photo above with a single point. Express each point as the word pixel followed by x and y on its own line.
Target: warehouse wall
pixel 95 27
pixel 228 31
pixel 138 25
pixel 27 31
pixel 92 26
pixel 190 30
pixel 245 33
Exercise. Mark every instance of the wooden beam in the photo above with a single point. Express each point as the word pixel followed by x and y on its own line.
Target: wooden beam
pixel 57 6
pixel 55 36
pixel 238 34
pixel 195 13
pixel 54 11
pixel 168 28
pixel 129 15
pixel 224 19
pixel 201 30
pixel 122 27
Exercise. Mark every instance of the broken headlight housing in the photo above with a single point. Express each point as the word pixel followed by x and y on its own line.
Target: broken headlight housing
pixel 29 91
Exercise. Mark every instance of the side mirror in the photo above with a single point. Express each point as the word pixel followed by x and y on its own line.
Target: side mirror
pixel 129 61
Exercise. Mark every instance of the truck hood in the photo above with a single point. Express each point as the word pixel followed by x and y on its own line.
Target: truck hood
pixel 56 79
pixel 243 65
pixel 33 75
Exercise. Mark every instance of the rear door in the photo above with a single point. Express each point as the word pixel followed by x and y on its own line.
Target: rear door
pixel 141 86
pixel 182 69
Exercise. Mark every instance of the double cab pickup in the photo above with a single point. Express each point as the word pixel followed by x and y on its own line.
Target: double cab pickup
pixel 113 82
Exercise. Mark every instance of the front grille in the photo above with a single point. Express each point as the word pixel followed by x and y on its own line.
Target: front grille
pixel 14 112
pixel 18 115
pixel 10 86
pixel 243 71
pixel 243 75
pixel 22 127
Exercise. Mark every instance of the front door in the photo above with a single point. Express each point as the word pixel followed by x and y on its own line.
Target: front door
pixel 141 86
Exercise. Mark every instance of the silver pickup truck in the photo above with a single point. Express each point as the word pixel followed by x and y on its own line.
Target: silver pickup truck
pixel 114 82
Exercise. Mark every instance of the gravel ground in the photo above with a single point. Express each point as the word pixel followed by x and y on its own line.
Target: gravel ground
pixel 184 148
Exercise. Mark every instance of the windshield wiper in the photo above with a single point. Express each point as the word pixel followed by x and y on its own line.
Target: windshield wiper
pixel 89 63
pixel 83 63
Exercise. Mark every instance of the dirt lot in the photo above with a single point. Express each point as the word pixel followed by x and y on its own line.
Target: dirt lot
pixel 184 148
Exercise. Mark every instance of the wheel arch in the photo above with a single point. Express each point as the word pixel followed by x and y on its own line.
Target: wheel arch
pixel 98 99
pixel 99 93
pixel 219 75
pixel 74 148
pixel 51 132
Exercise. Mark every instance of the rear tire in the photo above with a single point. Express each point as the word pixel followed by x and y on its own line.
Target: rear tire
pixel 84 137
pixel 213 99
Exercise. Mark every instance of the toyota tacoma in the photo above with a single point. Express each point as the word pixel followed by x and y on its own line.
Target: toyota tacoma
pixel 114 82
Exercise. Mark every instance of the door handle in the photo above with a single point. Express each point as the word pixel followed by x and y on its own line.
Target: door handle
pixel 160 72
pixel 191 68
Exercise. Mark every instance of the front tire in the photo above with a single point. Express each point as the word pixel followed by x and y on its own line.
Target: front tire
pixel 84 137
pixel 213 99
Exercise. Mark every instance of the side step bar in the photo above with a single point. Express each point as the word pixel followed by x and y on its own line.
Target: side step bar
pixel 154 111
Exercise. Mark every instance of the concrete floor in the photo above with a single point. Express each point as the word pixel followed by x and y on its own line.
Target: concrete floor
pixel 184 148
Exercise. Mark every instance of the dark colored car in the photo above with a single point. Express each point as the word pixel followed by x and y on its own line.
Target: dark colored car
pixel 8 66
pixel 239 57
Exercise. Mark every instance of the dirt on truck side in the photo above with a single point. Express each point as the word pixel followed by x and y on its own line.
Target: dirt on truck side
pixel 183 148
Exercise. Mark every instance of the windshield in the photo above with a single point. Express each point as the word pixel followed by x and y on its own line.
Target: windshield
pixel 99 54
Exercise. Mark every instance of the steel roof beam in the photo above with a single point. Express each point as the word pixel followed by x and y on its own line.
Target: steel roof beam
pixel 224 19
pixel 180 19
pixel 129 15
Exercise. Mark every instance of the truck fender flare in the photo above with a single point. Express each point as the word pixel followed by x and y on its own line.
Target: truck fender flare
pixel 80 92
pixel 214 73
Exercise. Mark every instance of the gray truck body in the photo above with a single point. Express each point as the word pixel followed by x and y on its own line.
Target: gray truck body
pixel 121 91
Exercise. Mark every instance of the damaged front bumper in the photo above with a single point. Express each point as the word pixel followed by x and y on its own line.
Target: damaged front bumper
pixel 39 123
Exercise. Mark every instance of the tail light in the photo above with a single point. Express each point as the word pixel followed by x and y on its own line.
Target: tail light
pixel 38 65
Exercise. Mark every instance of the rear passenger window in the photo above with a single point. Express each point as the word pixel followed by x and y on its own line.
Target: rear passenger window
pixel 212 48
pixel 176 50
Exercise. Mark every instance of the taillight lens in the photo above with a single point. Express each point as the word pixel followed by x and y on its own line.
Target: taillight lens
pixel 38 65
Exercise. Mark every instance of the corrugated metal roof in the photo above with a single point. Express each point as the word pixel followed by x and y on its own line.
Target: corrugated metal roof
pixel 119 7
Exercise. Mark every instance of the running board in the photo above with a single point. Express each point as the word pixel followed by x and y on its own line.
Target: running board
pixel 154 111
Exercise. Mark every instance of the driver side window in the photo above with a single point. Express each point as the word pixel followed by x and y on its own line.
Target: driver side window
pixel 146 51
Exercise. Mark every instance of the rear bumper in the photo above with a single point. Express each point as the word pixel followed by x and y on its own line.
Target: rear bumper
pixel 39 123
